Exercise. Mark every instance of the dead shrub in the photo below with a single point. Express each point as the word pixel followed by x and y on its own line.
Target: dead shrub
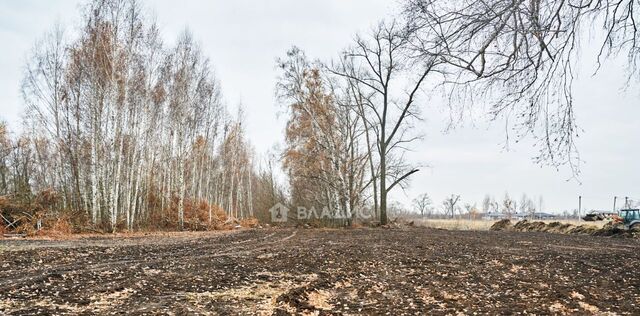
pixel 26 228
pixel 47 199
pixel 26 211
pixel 250 222
pixel 196 216
pixel 219 219
pixel 193 212
pixel 62 226
pixel 57 226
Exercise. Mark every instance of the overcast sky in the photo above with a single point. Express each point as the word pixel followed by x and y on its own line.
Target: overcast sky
pixel 243 39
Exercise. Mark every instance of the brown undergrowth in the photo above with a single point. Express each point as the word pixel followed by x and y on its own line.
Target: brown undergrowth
pixel 43 216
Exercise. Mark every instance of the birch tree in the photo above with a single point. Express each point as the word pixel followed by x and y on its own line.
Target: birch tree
pixel 129 130
pixel 324 155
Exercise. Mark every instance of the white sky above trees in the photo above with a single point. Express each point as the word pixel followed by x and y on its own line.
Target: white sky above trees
pixel 243 38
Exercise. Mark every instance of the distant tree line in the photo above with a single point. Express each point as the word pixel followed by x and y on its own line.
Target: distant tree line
pixel 453 206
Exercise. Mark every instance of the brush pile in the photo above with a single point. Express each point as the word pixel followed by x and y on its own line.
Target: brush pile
pixel 610 229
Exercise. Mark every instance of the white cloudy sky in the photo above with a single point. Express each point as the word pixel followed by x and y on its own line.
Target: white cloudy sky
pixel 244 37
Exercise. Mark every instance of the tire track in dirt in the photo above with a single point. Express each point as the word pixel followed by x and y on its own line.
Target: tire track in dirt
pixel 239 248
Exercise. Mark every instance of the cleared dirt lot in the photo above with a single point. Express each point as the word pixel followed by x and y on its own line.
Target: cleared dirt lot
pixel 357 271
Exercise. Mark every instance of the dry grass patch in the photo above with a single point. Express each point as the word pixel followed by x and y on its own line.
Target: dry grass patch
pixel 455 224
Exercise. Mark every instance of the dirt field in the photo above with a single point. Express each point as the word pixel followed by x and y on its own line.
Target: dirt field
pixel 358 271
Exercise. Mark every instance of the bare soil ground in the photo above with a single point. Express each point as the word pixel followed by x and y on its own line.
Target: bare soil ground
pixel 311 271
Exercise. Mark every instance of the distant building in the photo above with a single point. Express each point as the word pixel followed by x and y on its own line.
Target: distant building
pixel 493 216
pixel 542 215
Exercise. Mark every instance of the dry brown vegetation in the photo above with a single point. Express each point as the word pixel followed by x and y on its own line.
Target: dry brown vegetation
pixel 455 224
pixel 26 215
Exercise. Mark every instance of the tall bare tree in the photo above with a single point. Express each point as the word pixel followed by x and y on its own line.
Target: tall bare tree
pixel 389 83
pixel 450 205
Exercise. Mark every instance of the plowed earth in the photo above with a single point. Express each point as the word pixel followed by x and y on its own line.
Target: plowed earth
pixel 308 271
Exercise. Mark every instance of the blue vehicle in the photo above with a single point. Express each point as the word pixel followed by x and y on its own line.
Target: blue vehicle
pixel 630 218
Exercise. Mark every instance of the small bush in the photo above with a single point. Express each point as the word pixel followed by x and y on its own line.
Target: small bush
pixel 250 222
pixel 26 228
pixel 62 226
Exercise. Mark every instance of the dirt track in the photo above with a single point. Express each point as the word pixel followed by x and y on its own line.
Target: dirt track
pixel 360 271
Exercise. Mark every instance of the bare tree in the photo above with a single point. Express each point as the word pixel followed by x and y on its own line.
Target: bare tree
pixel 527 205
pixel 523 205
pixel 5 151
pixel 508 205
pixel 268 191
pixel 324 156
pixel 376 65
pixel 450 205
pixel 422 204
pixel 487 203
pixel 471 209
